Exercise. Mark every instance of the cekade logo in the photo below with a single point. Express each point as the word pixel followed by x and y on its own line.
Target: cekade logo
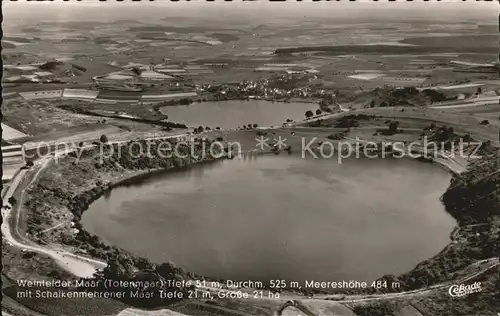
pixel 462 290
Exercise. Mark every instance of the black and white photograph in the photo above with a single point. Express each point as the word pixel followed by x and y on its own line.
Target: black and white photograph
pixel 250 158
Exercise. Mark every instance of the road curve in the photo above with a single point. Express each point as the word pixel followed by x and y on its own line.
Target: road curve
pixel 295 304
pixel 77 265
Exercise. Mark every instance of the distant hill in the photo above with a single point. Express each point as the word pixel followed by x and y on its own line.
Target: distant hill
pixel 383 97
pixel 16 39
pixel 391 49
pixel 125 21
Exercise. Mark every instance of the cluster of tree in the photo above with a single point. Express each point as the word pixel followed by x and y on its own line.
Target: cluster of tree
pixel 173 102
pixel 145 280
pixel 347 121
pixel 132 158
pixel 287 82
pixel 103 139
pixel 249 126
pixel 136 70
pixel 50 65
pixel 485 302
pixel 474 195
pixel 315 123
pixel 444 135
pixel 325 103
pixel 430 128
pixel 337 136
pixel 392 128
pixel 484 243
pixel 377 308
pixel 80 68
pixel 185 101
pixel 200 129
pixel 29 164
pixel 12 201
pixel 410 96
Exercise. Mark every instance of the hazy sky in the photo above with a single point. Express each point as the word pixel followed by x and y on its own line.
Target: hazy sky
pixel 259 11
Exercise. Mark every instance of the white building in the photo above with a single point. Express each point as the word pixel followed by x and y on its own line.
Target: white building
pixel 13 160
pixel 153 75
pixel 49 94
pixel 170 70
pixel 80 94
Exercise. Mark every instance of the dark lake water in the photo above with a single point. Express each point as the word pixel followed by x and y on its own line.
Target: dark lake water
pixel 275 217
pixel 231 114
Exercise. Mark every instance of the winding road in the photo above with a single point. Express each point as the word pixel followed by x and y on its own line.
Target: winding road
pixel 299 303
pixel 78 265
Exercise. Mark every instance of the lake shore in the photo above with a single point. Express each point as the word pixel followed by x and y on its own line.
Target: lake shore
pixel 249 139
